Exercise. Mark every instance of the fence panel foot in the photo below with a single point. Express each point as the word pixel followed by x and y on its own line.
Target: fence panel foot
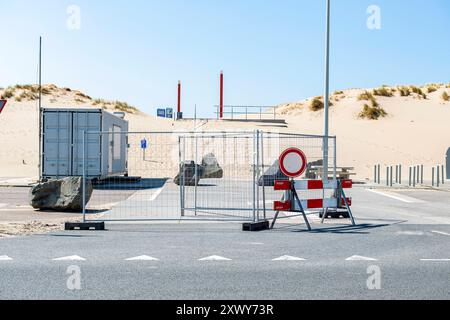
pixel 85 226
pixel 256 226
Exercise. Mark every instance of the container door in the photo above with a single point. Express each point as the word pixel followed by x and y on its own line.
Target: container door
pixel 57 146
pixel 87 122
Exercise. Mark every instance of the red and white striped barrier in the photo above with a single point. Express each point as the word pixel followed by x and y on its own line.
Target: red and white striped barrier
pixel 311 204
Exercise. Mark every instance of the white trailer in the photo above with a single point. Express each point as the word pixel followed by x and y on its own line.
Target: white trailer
pixel 106 143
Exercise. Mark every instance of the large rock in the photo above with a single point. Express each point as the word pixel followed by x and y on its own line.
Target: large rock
pixel 189 176
pixel 61 195
pixel 271 175
pixel 211 167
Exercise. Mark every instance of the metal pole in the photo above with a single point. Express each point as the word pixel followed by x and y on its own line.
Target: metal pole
pixel 196 175
pixel 410 176
pixel 432 179
pixel 327 92
pixel 263 171
pixel 415 177
pixel 84 176
pixel 443 174
pixel 254 178
pixel 379 174
pixel 257 174
pixel 392 176
pixel 375 174
pixel 400 174
pixel 179 98
pixel 40 110
pixel 438 177
pixel 221 95
pixel 387 176
pixel 421 174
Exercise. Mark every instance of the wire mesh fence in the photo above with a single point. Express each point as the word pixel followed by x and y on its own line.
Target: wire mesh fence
pixel 221 176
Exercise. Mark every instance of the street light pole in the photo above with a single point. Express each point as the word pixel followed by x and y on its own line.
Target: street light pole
pixel 327 96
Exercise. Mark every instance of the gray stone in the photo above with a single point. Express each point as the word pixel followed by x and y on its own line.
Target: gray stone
pixel 187 174
pixel 61 195
pixel 211 167
pixel 271 175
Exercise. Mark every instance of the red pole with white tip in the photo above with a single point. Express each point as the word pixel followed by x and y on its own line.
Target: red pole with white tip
pixel 221 95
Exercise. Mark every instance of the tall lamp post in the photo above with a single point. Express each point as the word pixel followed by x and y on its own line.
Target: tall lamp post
pixel 327 96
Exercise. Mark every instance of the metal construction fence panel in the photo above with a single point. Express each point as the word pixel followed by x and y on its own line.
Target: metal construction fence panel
pixel 220 176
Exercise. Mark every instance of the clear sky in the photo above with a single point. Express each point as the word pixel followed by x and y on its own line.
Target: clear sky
pixel 271 51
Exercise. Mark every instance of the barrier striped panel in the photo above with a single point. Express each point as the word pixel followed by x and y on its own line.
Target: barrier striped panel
pixel 310 204
pixel 311 185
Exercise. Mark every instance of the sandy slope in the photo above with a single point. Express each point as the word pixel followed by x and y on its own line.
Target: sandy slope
pixel 416 131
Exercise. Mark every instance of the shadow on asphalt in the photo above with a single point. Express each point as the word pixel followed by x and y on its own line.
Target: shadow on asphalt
pixel 360 229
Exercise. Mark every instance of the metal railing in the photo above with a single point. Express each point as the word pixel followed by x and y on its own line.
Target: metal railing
pixel 247 112
pixel 417 175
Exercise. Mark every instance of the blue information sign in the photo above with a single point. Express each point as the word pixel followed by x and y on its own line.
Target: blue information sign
pixel 162 113
pixel 144 144
pixel 169 113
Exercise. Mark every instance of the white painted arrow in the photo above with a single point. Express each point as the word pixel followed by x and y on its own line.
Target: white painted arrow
pixel 142 258
pixel 215 258
pixel 289 258
pixel 5 258
pixel 70 258
pixel 360 258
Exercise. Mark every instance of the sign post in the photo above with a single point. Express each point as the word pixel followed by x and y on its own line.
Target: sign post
pixel 2 104
pixel 143 147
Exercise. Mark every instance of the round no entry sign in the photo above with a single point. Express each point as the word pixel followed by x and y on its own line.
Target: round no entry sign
pixel 293 162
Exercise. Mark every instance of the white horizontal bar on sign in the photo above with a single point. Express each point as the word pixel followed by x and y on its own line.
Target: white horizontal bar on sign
pixel 315 185
pixel 317 204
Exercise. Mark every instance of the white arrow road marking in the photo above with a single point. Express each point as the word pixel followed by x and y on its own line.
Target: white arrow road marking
pixel 360 258
pixel 142 258
pixel 214 258
pixel 70 258
pixel 441 233
pixel 396 196
pixel 289 258
pixel 435 260
pixel 5 258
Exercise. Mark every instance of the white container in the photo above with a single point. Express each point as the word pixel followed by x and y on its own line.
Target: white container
pixel 62 143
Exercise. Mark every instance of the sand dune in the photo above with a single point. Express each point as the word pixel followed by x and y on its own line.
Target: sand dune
pixel 414 131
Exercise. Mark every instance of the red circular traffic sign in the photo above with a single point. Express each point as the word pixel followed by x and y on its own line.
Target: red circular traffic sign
pixel 293 162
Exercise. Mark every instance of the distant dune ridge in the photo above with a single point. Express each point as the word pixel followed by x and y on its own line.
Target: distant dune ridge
pixel 387 125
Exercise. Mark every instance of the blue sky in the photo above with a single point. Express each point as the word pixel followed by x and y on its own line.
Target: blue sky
pixel 271 51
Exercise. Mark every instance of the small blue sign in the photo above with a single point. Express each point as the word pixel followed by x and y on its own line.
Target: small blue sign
pixel 162 113
pixel 169 113
pixel 144 144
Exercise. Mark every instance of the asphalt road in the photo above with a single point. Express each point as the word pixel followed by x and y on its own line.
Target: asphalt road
pixel 403 238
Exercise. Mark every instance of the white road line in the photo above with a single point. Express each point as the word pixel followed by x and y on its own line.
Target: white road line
pixel 435 260
pixel 142 258
pixel 5 258
pixel 2 205
pixel 410 233
pixel 441 233
pixel 396 196
pixel 70 258
pixel 360 258
pixel 214 258
pixel 288 258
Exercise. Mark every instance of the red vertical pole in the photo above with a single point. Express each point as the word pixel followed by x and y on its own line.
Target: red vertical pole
pixel 179 97
pixel 221 95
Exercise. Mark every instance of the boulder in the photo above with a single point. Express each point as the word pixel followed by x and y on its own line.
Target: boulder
pixel 271 175
pixel 189 177
pixel 211 167
pixel 61 195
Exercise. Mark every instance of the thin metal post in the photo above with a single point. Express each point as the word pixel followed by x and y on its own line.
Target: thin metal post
pixel 392 176
pixel 415 176
pixel 410 176
pixel 432 179
pixel 40 111
pixel 84 176
pixel 327 92
pixel 443 174
pixel 379 174
pixel 375 174
pixel 257 174
pixel 254 179
pixel 263 171
pixel 438 177
pixel 421 174
pixel 335 159
pixel 196 175
pixel 387 176
pixel 400 174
